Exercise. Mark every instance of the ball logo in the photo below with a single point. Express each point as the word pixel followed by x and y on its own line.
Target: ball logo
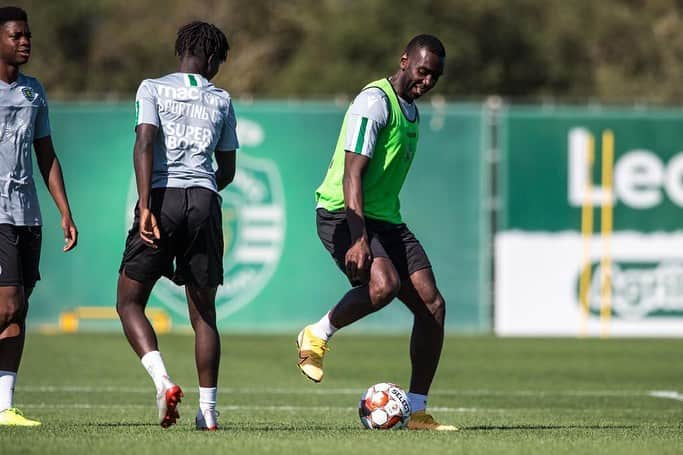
pixel 253 212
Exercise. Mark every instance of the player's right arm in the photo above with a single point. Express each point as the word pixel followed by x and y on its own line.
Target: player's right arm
pixel 147 123
pixel 358 258
pixel 367 116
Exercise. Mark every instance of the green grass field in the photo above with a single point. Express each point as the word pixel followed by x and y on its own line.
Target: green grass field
pixel 507 395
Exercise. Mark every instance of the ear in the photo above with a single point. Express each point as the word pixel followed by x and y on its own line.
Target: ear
pixel 404 62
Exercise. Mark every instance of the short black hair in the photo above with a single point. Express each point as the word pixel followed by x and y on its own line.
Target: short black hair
pixel 201 40
pixel 429 42
pixel 12 13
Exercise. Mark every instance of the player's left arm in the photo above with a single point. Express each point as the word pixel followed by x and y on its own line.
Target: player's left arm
pixel 226 150
pixel 225 172
pixel 51 171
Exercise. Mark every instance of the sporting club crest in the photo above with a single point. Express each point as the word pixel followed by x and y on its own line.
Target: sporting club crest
pixel 28 93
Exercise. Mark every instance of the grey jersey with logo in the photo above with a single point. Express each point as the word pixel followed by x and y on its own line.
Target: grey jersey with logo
pixel 23 119
pixel 194 119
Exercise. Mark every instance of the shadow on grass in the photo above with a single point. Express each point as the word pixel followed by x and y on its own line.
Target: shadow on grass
pixel 232 427
pixel 547 427
pixel 286 427
pixel 308 428
pixel 123 424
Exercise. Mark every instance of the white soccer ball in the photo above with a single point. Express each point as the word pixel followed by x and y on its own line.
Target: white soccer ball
pixel 384 406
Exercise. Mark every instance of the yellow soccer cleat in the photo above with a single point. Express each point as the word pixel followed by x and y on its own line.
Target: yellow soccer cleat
pixel 311 352
pixel 14 417
pixel 420 420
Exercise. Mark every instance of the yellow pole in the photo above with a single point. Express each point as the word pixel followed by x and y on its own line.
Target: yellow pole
pixel 586 234
pixel 606 223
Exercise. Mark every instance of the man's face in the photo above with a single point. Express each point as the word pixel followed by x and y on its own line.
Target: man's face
pixel 15 42
pixel 423 69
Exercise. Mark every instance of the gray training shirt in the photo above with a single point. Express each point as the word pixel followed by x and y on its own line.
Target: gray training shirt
pixel 195 119
pixel 23 119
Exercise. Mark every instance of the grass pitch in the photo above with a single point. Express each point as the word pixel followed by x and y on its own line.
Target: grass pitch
pixel 527 396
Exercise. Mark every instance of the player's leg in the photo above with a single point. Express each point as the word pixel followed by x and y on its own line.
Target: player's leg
pixel 12 323
pixel 131 300
pixel 12 336
pixel 11 349
pixel 358 302
pixel 361 301
pixel 20 257
pixel 422 297
pixel 200 267
pixel 141 267
pixel 424 300
pixel 207 349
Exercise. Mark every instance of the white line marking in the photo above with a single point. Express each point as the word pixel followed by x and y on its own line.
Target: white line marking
pixel 348 391
pixel 670 394
pixel 230 407
pixel 298 409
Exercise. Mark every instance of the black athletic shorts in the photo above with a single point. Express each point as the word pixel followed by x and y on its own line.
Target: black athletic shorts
pixel 191 235
pixel 393 241
pixel 19 255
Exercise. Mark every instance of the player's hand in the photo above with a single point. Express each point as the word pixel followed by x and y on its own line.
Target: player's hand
pixel 70 233
pixel 358 260
pixel 149 229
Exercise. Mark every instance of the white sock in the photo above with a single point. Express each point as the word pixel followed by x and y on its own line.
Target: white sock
pixel 7 380
pixel 324 328
pixel 417 402
pixel 207 398
pixel 154 365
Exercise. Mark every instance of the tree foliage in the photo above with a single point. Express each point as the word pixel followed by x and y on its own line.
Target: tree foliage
pixel 608 51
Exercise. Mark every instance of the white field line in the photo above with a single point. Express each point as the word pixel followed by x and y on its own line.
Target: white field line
pixel 298 409
pixel 670 394
pixel 235 407
pixel 347 391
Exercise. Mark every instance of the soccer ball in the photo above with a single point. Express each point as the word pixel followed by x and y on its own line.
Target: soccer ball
pixel 384 406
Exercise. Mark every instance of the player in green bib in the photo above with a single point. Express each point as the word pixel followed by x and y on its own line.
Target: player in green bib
pixel 385 173
pixel 359 222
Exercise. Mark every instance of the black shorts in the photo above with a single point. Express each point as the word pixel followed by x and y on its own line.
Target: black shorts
pixel 19 255
pixel 393 241
pixel 191 234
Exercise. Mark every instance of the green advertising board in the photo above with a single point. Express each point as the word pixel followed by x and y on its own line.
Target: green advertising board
pixel 538 148
pixel 590 234
pixel 278 276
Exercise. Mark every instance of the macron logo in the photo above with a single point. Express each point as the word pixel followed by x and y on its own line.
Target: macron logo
pixel 372 100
